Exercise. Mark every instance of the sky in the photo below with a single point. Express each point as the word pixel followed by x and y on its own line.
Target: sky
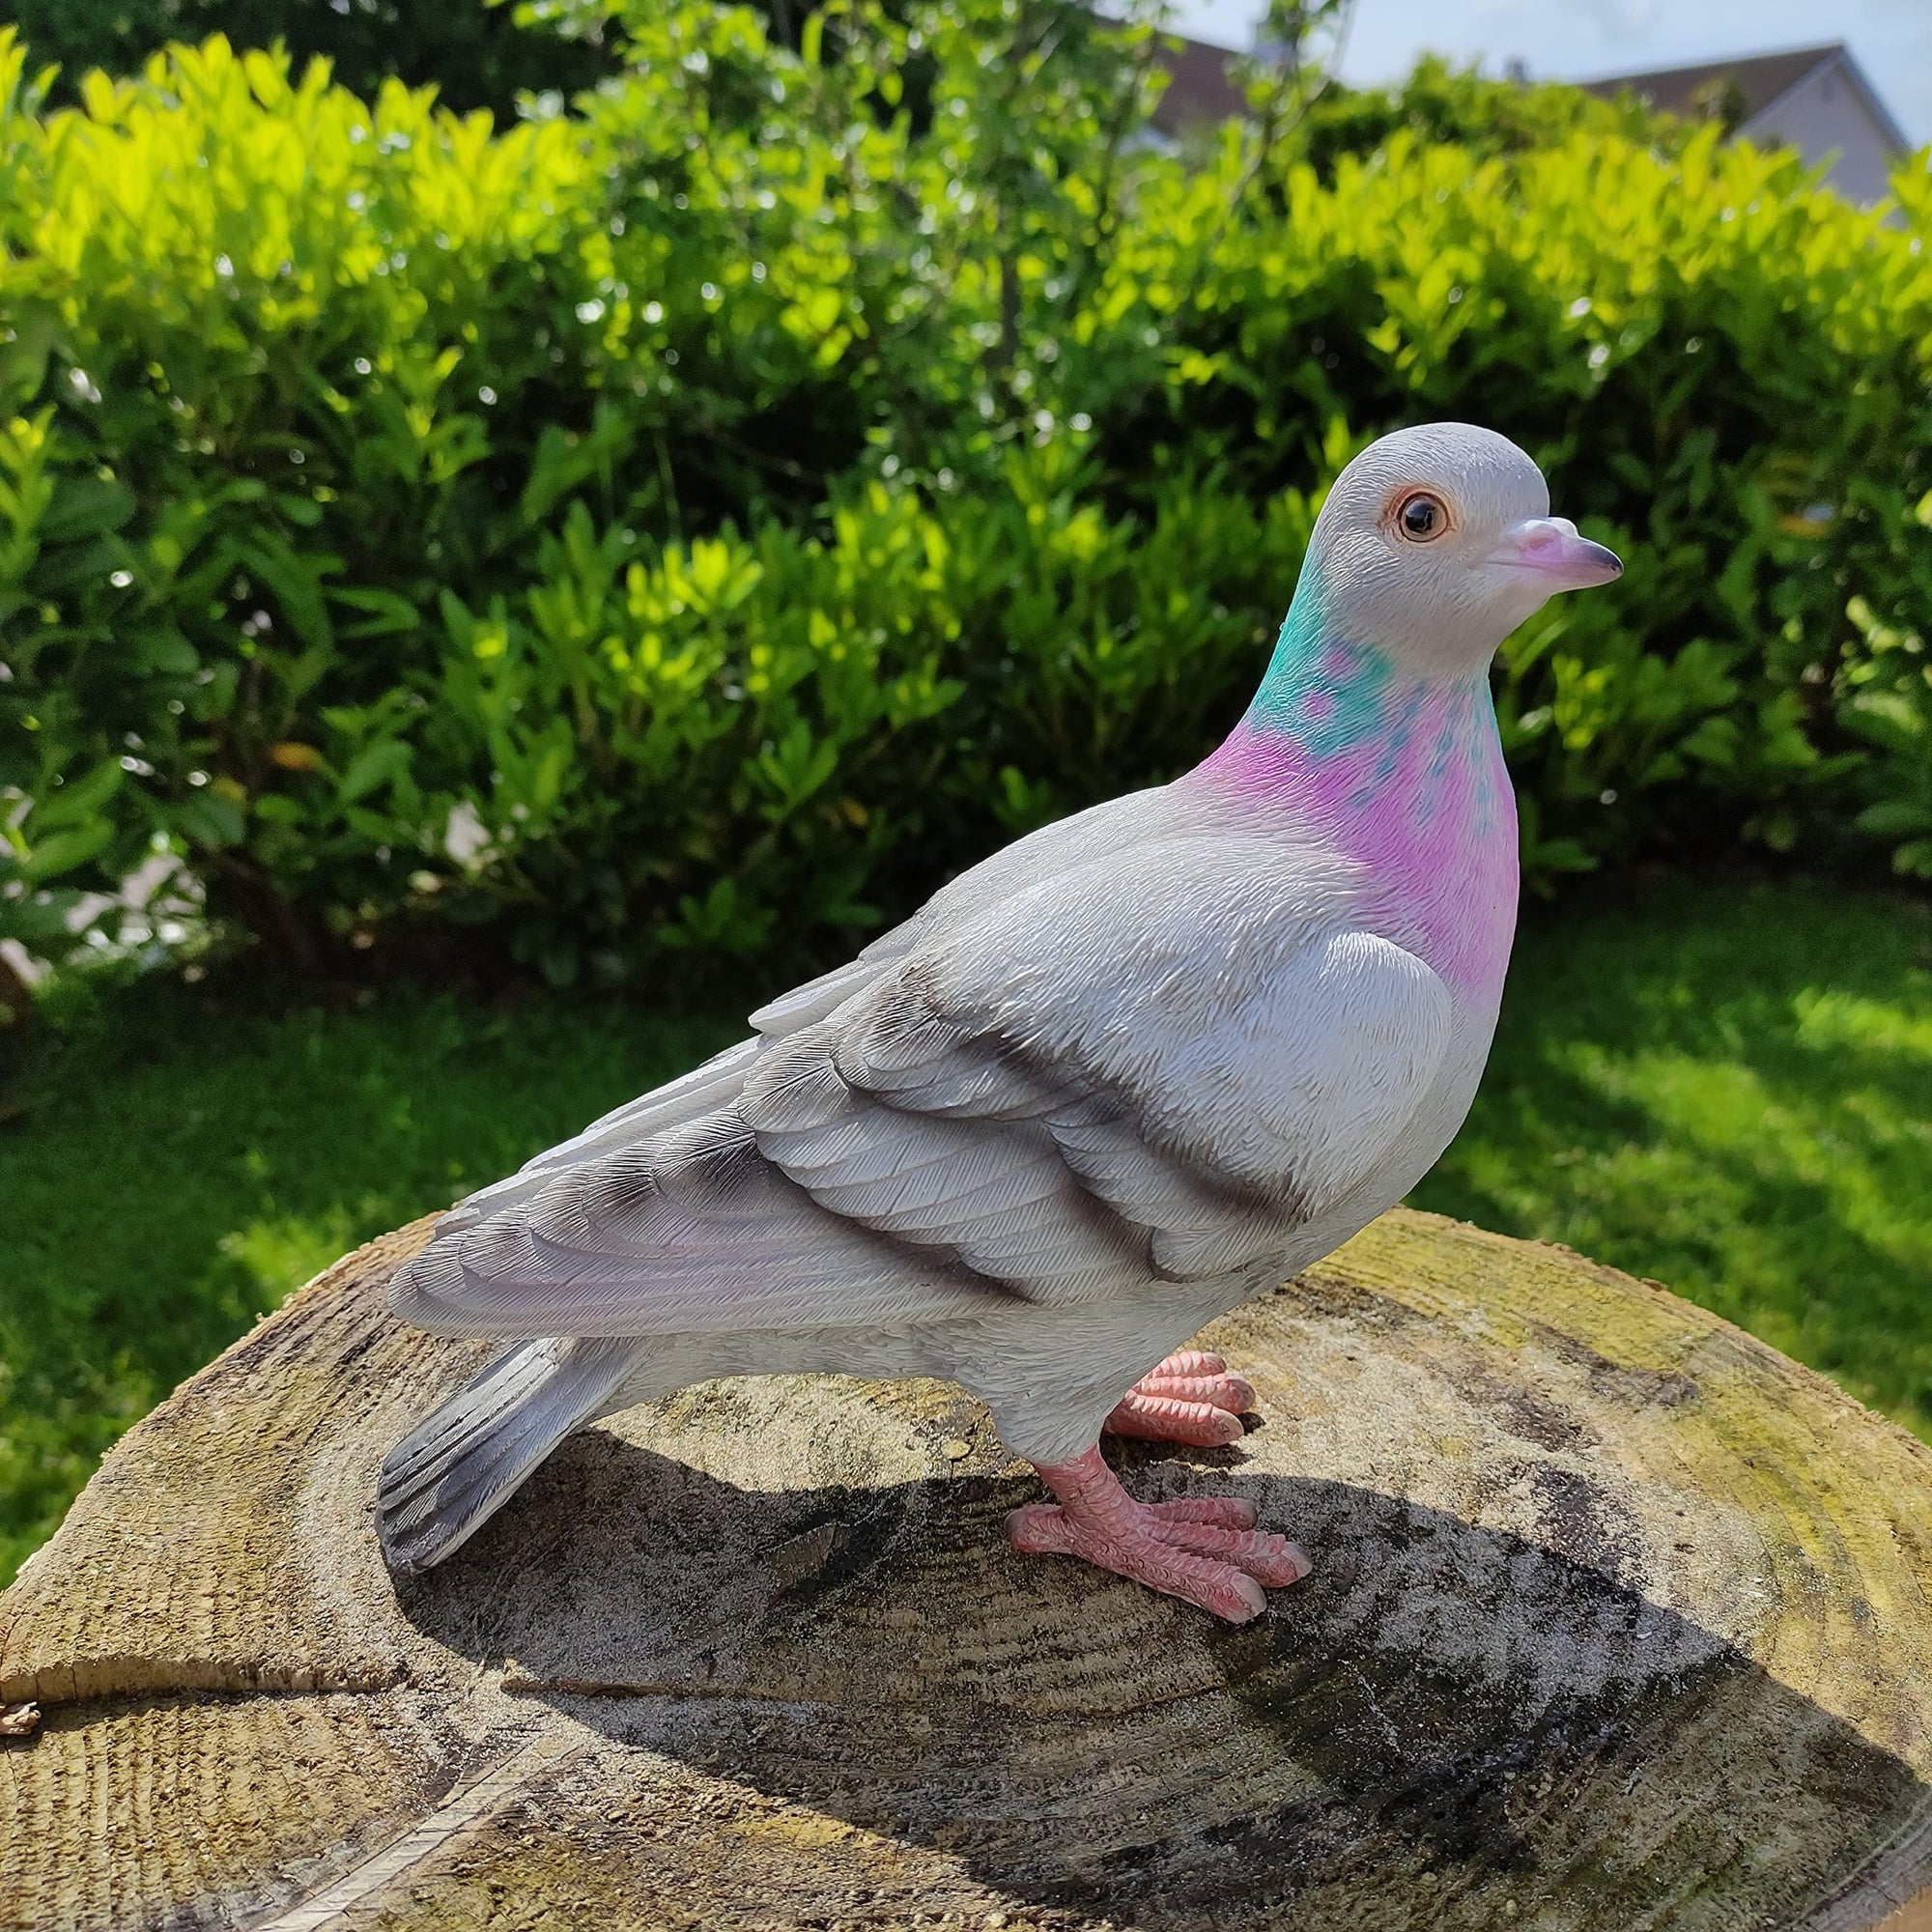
pixel 1579 39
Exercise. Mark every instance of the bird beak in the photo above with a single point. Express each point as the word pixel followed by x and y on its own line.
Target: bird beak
pixel 1550 547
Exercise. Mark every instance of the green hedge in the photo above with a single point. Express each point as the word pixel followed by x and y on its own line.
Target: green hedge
pixel 473 52
pixel 703 520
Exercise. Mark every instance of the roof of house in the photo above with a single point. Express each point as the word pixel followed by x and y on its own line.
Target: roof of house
pixel 1200 88
pixel 1761 82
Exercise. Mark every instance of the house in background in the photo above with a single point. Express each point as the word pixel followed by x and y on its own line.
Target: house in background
pixel 1201 90
pixel 1813 98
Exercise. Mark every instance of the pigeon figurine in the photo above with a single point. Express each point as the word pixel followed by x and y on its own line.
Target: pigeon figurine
pixel 1136 1067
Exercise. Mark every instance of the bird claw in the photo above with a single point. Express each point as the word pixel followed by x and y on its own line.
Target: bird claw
pixel 1189 1398
pixel 1202 1549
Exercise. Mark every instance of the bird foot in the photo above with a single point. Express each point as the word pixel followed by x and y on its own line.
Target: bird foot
pixel 1189 1398
pixel 1204 1551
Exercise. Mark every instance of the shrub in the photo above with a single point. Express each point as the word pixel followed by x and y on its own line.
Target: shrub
pixel 703 520
pixel 1440 106
pixel 473 53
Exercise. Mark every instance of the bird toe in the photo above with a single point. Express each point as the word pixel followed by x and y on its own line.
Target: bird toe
pixel 1202 1549
pixel 1152 1416
pixel 1270 1560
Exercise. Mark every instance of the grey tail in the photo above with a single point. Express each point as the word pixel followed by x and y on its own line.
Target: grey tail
pixel 448 1476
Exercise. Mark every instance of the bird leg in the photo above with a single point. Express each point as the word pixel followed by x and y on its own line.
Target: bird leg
pixel 1205 1550
pixel 1189 1398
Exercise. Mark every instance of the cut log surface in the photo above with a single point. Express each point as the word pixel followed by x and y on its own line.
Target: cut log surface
pixel 1618 1620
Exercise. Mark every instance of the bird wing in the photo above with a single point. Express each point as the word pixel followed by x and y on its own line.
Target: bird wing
pixel 689 1098
pixel 1149 1064
pixel 1101 828
pixel 1195 1037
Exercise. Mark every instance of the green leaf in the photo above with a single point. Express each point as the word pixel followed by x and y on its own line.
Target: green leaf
pixel 386 615
pixel 1895 819
pixel 375 765
pixel 294 578
pixel 302 511
pixel 41 925
pixel 35 331
pixel 79 799
pixel 86 507
pixel 163 651
pixel 62 851
pixel 207 818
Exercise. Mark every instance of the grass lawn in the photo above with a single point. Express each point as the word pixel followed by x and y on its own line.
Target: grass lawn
pixel 1725 1086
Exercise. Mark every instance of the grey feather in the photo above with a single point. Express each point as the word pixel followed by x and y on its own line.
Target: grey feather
pixel 692 1232
pixel 447 1478
pixel 686 1098
pixel 997 1110
pixel 811 1002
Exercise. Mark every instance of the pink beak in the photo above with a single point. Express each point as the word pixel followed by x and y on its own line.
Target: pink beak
pixel 1550 547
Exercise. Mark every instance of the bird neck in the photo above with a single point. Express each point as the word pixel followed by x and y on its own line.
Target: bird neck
pixel 1401 771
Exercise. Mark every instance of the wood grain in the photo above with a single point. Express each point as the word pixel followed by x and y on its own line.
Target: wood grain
pixel 1619 1619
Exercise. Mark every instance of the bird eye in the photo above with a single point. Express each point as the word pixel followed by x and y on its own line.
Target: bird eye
pixel 1422 517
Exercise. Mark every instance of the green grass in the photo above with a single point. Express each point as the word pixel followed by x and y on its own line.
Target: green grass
pixel 176 1170
pixel 1727 1087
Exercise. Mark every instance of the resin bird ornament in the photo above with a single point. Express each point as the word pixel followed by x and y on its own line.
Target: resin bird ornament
pixel 1125 1073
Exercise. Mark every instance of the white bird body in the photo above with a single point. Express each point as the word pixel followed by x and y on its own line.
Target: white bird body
pixel 1103 1088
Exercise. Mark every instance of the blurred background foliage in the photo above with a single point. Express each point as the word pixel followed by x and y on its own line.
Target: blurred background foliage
pixel 697 520
pixel 473 55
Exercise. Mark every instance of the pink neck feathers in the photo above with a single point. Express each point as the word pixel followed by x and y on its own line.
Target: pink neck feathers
pixel 1403 775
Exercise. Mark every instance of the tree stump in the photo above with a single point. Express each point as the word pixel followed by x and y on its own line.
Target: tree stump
pixel 1618 1620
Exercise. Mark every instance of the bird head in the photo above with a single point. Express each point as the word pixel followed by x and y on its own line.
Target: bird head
pixel 1437 542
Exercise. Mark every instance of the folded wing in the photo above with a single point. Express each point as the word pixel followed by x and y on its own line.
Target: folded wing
pixel 1155 1064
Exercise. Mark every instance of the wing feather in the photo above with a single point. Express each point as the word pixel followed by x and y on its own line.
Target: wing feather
pixel 1155 1064
pixel 688 1098
pixel 667 1237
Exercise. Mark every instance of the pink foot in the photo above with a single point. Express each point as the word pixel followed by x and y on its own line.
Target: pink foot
pixel 1189 1398
pixel 1207 1551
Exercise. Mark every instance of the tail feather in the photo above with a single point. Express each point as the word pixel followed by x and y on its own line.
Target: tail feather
pixel 448 1476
